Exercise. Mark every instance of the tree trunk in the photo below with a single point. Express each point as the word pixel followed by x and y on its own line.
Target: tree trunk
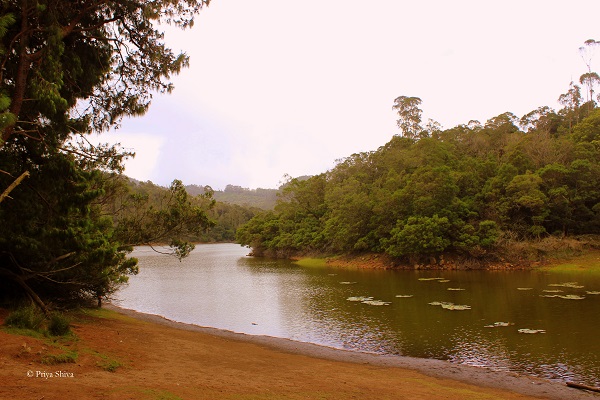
pixel 29 291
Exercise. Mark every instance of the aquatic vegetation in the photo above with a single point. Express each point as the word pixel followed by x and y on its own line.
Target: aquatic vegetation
pixel 359 298
pixel 455 307
pixel 438 303
pixel 553 291
pixel 498 325
pixel 377 302
pixel 450 306
pixel 567 296
pixel 592 292
pixel 454 289
pixel 431 279
pixel 525 330
pixel 347 283
pixel 571 285
pixel 572 297
pixel 524 288
pixel 443 280
pixel 404 295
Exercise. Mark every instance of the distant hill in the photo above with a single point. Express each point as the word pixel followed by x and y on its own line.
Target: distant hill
pixel 260 198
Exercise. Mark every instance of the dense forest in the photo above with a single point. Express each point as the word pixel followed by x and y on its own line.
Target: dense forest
pixel 467 191
pixel 232 194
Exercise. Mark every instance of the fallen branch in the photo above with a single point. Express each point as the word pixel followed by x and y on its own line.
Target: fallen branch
pixel 584 387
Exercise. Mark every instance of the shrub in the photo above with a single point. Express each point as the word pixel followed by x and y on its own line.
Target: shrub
pixel 59 325
pixel 25 318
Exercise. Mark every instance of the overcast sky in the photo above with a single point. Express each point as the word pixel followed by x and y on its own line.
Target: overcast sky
pixel 287 87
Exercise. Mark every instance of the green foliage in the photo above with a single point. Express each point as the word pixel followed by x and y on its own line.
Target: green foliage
pixel 460 190
pixel 25 318
pixel 419 236
pixel 62 358
pixel 68 69
pixel 59 325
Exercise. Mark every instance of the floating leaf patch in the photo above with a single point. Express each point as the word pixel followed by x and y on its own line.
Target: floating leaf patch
pixel 347 283
pixel 593 292
pixel 525 330
pixel 454 289
pixel 359 298
pixel 566 296
pixel 376 302
pixel 572 285
pixel 430 279
pixel 498 324
pixel 450 306
pixel 443 280
pixel 404 295
pixel 572 297
pixel 524 288
pixel 553 291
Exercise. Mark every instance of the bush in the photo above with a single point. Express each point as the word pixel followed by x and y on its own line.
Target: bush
pixel 59 325
pixel 25 318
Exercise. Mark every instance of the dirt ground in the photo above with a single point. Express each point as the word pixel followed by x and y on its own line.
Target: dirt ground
pixel 122 354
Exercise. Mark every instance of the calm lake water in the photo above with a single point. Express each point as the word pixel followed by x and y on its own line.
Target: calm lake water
pixel 219 286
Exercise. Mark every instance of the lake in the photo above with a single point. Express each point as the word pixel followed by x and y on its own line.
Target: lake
pixel 219 286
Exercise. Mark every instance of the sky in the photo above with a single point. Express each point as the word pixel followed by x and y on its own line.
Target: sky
pixel 281 87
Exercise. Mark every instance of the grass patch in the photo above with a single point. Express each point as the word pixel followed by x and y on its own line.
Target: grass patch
pixel 587 263
pixel 311 262
pixel 106 362
pixel 109 365
pixel 63 358
pixel 23 332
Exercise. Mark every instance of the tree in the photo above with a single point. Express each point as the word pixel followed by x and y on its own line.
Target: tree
pixel 589 78
pixel 572 102
pixel 410 116
pixel 68 68
pixel 76 66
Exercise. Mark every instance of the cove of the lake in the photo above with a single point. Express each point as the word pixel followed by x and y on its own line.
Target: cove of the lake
pixel 219 286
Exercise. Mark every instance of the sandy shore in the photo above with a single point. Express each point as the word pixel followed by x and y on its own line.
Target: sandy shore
pixel 123 354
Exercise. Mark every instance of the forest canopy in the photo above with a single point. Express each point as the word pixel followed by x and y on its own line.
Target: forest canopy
pixel 431 191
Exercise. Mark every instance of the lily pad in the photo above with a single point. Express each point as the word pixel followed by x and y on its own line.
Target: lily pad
pixel 572 297
pixel 454 289
pixel 404 295
pixel 525 330
pixel 359 298
pixel 376 302
pixel 592 292
pixel 499 324
pixel 553 291
pixel 572 285
pixel 566 296
pixel 450 306
pixel 455 307
pixel 438 303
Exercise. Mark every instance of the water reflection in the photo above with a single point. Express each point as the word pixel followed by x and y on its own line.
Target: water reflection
pixel 218 286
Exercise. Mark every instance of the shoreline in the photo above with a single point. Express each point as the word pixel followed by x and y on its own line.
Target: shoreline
pixel 439 369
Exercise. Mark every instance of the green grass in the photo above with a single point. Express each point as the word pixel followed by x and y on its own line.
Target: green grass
pixel 311 262
pixel 63 358
pixel 588 263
